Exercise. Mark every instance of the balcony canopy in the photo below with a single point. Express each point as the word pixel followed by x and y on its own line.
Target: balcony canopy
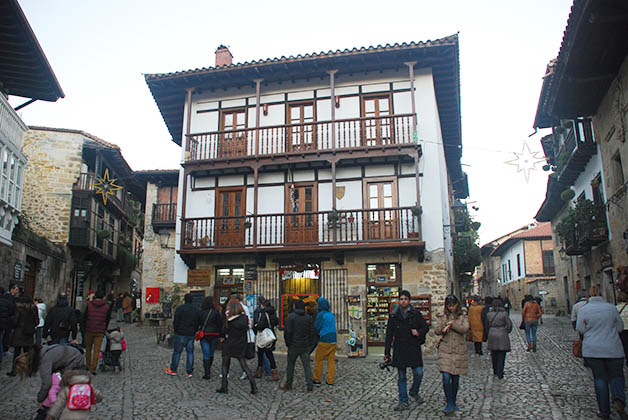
pixel 24 68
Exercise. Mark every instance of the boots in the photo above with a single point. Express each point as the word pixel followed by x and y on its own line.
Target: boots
pixel 529 347
pixel 275 376
pixel 534 348
pixel 207 366
pixel 258 372
pixel 253 388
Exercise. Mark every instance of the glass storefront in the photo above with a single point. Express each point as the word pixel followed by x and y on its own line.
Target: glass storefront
pixel 298 281
pixel 383 284
pixel 229 281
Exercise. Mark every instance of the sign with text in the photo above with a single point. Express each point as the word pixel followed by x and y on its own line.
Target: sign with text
pixel 250 272
pixel 18 271
pixel 198 278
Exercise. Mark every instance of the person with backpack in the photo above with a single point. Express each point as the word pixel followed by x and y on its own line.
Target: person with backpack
pixel 60 322
pixel 299 335
pixel 27 319
pixel 325 325
pixel 266 318
pixel 76 398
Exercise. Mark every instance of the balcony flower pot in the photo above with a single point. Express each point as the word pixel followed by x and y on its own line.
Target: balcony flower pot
pixel 247 225
pixel 416 210
pixel 413 235
pixel 103 234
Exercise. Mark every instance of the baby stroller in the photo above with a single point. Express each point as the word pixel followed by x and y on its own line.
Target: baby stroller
pixel 106 358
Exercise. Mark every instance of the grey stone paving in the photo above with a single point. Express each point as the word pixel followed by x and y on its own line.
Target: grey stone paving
pixel 549 384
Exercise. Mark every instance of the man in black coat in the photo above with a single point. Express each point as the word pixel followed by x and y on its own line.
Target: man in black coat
pixel 185 325
pixel 60 322
pixel 299 334
pixel 5 319
pixel 10 299
pixel 406 332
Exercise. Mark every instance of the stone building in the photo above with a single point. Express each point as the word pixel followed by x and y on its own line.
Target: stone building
pixel 584 99
pixel 30 261
pixel 80 194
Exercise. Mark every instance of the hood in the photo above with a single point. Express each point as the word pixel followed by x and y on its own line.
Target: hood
pixel 72 377
pixel 398 310
pixel 98 302
pixel 299 311
pixel 323 304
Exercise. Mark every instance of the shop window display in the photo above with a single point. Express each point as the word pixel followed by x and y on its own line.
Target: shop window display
pixel 299 281
pixel 383 284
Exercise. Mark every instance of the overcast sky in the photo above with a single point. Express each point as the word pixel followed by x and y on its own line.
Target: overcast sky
pixel 99 51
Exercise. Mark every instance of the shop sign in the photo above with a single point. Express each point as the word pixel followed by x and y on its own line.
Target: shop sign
pixel 199 278
pixel 17 272
pixel 250 272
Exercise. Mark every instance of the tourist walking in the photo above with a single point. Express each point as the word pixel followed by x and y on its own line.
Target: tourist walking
pixel 405 333
pixel 211 326
pixel 488 301
pixel 95 320
pixel 75 383
pixel 498 342
pixel 600 324
pixel 41 312
pixel 6 319
pixel 299 335
pixel 60 322
pixel 235 338
pixel 266 318
pixel 26 321
pixel 185 325
pixel 452 326
pixel 266 369
pixel 476 325
pixel 127 307
pixel 325 325
pixel 582 300
pixel 114 342
pixel 530 316
pixel 622 308
pixel 10 298
pixel 118 307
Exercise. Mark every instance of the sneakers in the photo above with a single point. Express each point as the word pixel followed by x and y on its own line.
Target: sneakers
pixel 243 376
pixel 170 372
pixel 315 382
pixel 227 376
pixel 402 406
pixel 620 408
pixel 189 375
pixel 419 400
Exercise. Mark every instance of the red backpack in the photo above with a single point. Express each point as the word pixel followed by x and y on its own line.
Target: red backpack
pixel 81 397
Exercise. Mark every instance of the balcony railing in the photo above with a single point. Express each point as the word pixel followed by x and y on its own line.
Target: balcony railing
pixel 164 214
pixel 12 128
pixel 323 228
pixel 85 183
pixel 302 138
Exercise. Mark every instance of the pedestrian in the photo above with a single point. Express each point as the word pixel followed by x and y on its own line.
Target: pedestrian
pixel 127 307
pixel 507 305
pixel 185 324
pixel 95 320
pixel 55 379
pixel 26 321
pixel 46 360
pixel 111 298
pixel 499 326
pixel 622 308
pixel 265 363
pixel 299 335
pixel 539 300
pixel 118 307
pixel 114 339
pixel 235 338
pixel 76 398
pixel 452 325
pixel 530 317
pixel 250 333
pixel 211 325
pixel 488 301
pixel 325 325
pixel 60 322
pixel 582 300
pixel 10 298
pixel 41 311
pixel 266 318
pixel 600 324
pixel 405 333
pixel 6 319
pixel 476 325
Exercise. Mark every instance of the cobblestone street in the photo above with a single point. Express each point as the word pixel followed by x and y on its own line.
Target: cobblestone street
pixel 549 384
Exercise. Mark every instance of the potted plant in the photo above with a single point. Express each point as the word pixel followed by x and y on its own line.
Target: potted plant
pixel 103 234
pixel 568 194
pixel 416 210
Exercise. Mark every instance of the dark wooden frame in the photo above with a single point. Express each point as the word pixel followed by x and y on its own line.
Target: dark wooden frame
pixel 218 208
pixel 288 210
pixel 287 119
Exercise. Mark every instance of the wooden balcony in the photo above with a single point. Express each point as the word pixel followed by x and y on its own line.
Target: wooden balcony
pixel 87 237
pixel 85 183
pixel 576 151
pixel 306 138
pixel 345 229
pixel 164 216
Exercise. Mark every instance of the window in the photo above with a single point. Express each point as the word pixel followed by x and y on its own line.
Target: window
pixel 376 127
pixel 518 265
pixel 618 171
pixel 548 262
pixel 509 271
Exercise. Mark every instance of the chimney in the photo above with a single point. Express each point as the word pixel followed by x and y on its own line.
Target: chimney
pixel 223 56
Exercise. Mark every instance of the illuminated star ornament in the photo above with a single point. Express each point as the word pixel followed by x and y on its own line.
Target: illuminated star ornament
pixel 526 161
pixel 106 186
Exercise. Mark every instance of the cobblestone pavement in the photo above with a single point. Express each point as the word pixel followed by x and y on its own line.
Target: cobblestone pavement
pixel 548 384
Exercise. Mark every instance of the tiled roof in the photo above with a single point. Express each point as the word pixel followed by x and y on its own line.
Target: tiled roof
pixel 73 131
pixel 541 230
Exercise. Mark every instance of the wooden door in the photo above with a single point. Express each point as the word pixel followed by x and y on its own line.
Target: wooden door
pixel 382 223
pixel 30 275
pixel 233 140
pixel 301 228
pixel 301 133
pixel 377 131
pixel 230 211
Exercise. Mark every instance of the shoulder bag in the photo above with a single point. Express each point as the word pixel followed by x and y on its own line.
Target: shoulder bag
pixel 265 339
pixel 576 347
pixel 200 334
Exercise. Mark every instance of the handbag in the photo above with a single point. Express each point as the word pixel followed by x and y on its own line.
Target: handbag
pixel 200 334
pixel 123 343
pixel 576 347
pixel 265 339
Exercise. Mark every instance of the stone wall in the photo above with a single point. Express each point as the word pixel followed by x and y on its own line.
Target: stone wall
pixel 54 164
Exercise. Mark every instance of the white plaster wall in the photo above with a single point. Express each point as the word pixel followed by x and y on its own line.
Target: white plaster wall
pixel 270 177
pixel 231 180
pixel 583 182
pixel 205 182
pixel 324 197
pixel 271 200
pixel 511 255
pixel 353 195
pixel 342 173
pixel 379 170
pixel 301 176
pixel 407 192
pixel 402 102
pixel 200 203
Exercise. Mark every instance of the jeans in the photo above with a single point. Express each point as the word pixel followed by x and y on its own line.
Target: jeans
pixel 402 382
pixel 265 353
pixel 266 365
pixel 450 386
pixel 208 345
pixel 607 373
pixel 498 357
pixel 119 315
pixel 478 347
pixel 115 358
pixel 179 342
pixel 325 351
pixel 531 331
pixel 304 355
pixel 93 342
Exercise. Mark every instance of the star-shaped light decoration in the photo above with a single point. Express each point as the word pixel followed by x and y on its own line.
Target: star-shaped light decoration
pixel 526 161
pixel 106 186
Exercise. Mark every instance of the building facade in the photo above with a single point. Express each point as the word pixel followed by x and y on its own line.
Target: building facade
pixel 321 175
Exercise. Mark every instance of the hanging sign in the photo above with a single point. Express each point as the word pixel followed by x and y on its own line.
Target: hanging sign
pixel 250 272
pixel 199 278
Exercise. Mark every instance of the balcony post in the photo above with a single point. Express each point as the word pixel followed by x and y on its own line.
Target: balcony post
pixel 410 65
pixel 258 83
pixel 333 195
pixel 417 176
pixel 188 122
pixel 255 199
pixel 332 85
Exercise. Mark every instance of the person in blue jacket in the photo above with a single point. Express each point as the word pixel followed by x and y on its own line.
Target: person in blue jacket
pixel 325 325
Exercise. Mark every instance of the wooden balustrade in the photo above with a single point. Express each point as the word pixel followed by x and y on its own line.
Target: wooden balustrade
pixel 343 227
pixel 85 182
pixel 304 137
pixel 164 213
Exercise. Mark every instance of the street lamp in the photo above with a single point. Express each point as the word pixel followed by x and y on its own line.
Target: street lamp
pixel 164 236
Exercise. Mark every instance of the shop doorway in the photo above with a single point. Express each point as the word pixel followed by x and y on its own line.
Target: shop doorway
pixel 299 281
pixel 383 283
pixel 229 282
pixel 30 275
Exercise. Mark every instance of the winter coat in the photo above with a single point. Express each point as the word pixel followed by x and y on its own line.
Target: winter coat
pixel 60 408
pixel 7 312
pixel 531 312
pixel 325 322
pixel 118 303
pixel 61 320
pixel 127 305
pixel 261 322
pixel 27 319
pixel 406 346
pixel 299 331
pixel 96 316
pixel 115 340
pixel 186 320
pixel 475 322
pixel 499 326
pixel 57 358
pixel 600 324
pixel 235 332
pixel 452 350
pixel 213 327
